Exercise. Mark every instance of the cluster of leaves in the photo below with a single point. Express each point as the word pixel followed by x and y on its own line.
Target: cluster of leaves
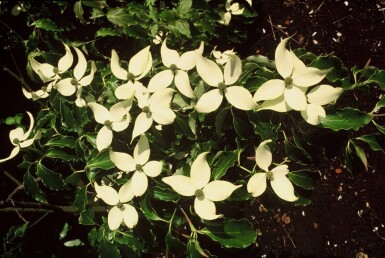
pixel 67 158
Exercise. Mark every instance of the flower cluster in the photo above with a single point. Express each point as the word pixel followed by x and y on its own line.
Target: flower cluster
pixel 149 105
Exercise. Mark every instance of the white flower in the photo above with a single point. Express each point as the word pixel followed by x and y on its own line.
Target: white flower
pixel 178 66
pixel 198 185
pixel 212 74
pixel 154 108
pixel 121 210
pixel 138 66
pixel 289 93
pixel 39 94
pixel 140 164
pixel 317 97
pixel 231 9
pixel 20 140
pixel 48 72
pixel 116 119
pixel 68 86
pixel 222 58
pixel 277 176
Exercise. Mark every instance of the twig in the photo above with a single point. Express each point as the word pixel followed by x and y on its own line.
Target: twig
pixel 18 78
pixel 272 27
pixel 21 217
pixel 12 178
pixel 319 7
pixel 19 188
pixel 48 209
pixel 6 25
pixel 288 235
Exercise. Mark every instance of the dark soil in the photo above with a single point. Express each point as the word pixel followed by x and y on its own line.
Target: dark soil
pixel 346 217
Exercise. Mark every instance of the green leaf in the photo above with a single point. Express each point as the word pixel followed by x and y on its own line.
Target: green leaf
pixel 182 126
pixel 14 120
pixel 87 217
pixel 120 17
pixel 16 232
pixel 360 154
pixel 373 141
pixel 232 233
pixel 50 179
pixel 68 118
pixel 378 78
pixel 173 244
pixel 346 119
pixel 263 126
pixel 73 243
pixel 62 141
pixel 381 103
pixel 219 121
pixel 130 239
pixel 32 188
pixel 379 127
pixel 104 32
pixel 184 7
pixel 57 153
pixel 78 9
pixel 46 24
pixel 242 128
pixel 183 28
pixel 100 161
pixel 148 210
pixel 165 194
pixel 64 231
pixel 108 250
pixel 225 160
pixel 81 198
pixel 301 179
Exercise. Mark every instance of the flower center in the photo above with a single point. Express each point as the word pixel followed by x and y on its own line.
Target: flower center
pixel 146 109
pixel 120 206
pixel 222 87
pixel 138 167
pixel 288 81
pixel 269 175
pixel 16 141
pixel 55 70
pixel 130 77
pixel 44 89
pixel 74 82
pixel 199 194
pixel 173 68
pixel 108 123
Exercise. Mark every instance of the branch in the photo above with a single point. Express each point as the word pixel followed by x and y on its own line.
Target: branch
pixel 48 209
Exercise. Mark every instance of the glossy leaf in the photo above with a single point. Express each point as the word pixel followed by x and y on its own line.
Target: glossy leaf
pixel 58 153
pixel 87 217
pixel 301 179
pixel 225 160
pixel 49 178
pixel 46 24
pixel 346 119
pixel 108 249
pixel 148 210
pixel 232 233
pixel 374 141
pixel 62 141
pixel 100 161
pixel 32 188
pixel 81 199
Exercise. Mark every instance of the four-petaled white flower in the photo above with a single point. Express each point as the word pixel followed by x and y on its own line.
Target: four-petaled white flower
pixel 212 74
pixel 20 140
pixel 289 93
pixel 121 210
pixel 154 108
pixel 138 66
pixel 48 72
pixel 222 57
pixel 68 86
pixel 116 119
pixel 140 164
pixel 277 176
pixel 178 66
pixel 231 9
pixel 199 185
pixel 39 94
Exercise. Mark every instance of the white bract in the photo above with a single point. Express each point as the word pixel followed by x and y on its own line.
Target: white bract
pixel 199 185
pixel 138 66
pixel 116 119
pixel 39 94
pixel 231 9
pixel 178 66
pixel 154 108
pixel 139 164
pixel 289 93
pixel 20 140
pixel 277 176
pixel 212 74
pixel 48 72
pixel 222 57
pixel 69 86
pixel 121 210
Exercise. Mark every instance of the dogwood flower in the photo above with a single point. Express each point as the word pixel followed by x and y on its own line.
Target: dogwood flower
pixel 277 176
pixel 178 66
pixel 39 94
pixel 68 86
pixel 222 57
pixel 198 185
pixel 138 66
pixel 121 210
pixel 231 9
pixel 116 119
pixel 20 140
pixel 212 74
pixel 139 164
pixel 289 93
pixel 317 97
pixel 48 72
pixel 154 108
